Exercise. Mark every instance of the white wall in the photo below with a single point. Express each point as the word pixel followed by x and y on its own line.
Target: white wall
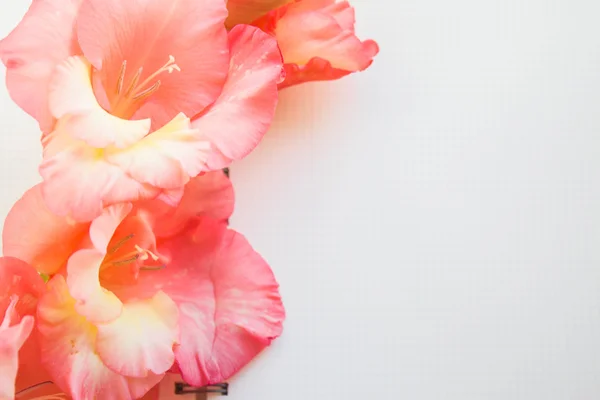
pixel 434 222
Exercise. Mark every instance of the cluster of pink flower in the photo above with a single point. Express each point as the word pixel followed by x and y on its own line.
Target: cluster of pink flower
pixel 119 266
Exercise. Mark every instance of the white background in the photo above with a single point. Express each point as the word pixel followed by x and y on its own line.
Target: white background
pixel 434 222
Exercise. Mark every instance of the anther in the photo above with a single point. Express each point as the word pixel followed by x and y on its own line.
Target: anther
pixel 145 253
pixel 134 82
pixel 121 243
pixel 171 66
pixel 121 77
pixel 158 268
pixel 147 92
pixel 127 261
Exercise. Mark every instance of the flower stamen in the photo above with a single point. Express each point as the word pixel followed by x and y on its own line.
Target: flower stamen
pixel 169 67
pixel 145 254
pixel 157 268
pixel 121 104
pixel 126 261
pixel 148 92
pixel 120 244
pixel 134 82
pixel 121 77
pixel 55 396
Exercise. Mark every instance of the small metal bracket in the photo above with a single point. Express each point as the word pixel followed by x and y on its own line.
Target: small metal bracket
pixel 202 392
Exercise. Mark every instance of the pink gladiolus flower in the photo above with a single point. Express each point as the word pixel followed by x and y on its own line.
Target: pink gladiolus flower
pixel 210 301
pixel 317 40
pixel 138 97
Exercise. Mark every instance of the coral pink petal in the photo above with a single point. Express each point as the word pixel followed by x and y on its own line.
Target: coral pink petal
pixel 171 197
pixel 246 11
pixel 79 182
pixel 72 98
pixel 141 340
pixel 154 393
pixel 44 38
pixel 145 34
pixel 19 279
pixel 340 10
pixel 20 288
pixel 238 120
pixel 210 194
pixel 37 236
pixel 68 351
pixel 92 300
pixel 166 158
pixel 12 338
pixel 317 41
pixel 302 36
pixel 317 69
pixel 40 388
pixel 103 228
pixel 32 374
pixel 343 14
pixel 229 304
